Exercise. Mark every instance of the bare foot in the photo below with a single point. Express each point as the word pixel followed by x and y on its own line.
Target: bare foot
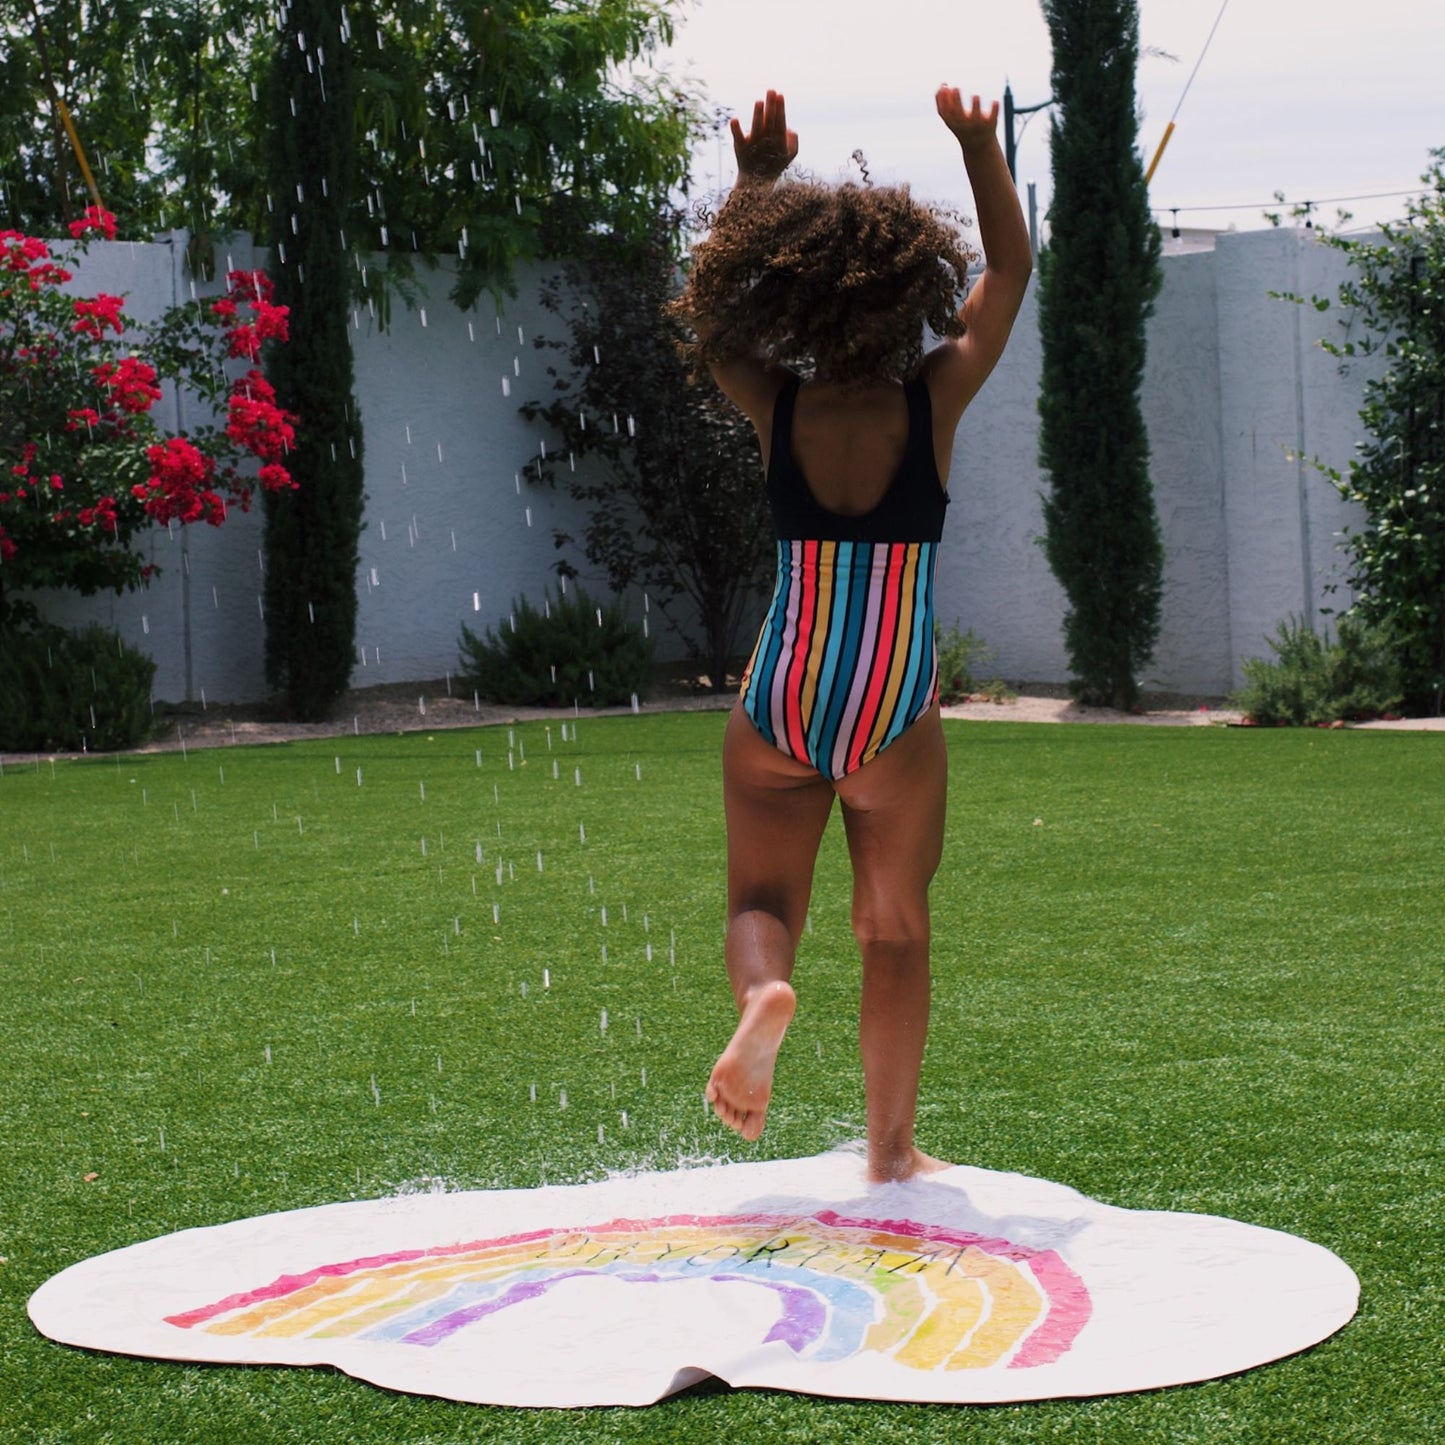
pixel 742 1078
pixel 891 1170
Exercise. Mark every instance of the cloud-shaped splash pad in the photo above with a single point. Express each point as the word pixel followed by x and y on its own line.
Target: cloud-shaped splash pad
pixel 967 1286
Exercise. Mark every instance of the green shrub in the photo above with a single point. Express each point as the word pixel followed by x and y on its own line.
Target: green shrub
pixel 1315 680
pixel 960 656
pixel 571 651
pixel 73 691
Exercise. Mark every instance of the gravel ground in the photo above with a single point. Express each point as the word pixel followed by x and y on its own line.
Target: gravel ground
pixel 407 707
pixel 416 706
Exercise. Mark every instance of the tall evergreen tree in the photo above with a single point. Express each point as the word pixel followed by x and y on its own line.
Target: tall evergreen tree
pixel 1098 276
pixel 313 533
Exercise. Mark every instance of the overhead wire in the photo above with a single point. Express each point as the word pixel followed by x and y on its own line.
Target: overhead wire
pixel 1169 129
pixel 1284 201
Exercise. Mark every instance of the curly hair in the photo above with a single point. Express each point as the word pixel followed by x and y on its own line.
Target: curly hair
pixel 838 281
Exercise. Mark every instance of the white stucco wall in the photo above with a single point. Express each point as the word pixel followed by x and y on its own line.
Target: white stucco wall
pixel 1237 391
pixel 445 522
pixel 452 534
pixel 1282 401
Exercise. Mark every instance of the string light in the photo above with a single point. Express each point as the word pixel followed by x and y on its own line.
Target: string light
pixel 1280 201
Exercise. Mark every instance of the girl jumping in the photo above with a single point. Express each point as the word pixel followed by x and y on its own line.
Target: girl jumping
pixel 809 303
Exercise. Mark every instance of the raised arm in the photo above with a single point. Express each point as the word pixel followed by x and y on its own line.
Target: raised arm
pixel 763 154
pixel 960 366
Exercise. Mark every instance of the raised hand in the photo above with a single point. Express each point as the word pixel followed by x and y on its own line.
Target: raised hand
pixel 971 124
pixel 768 149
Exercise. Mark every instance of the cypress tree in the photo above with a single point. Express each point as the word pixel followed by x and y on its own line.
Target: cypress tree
pixel 313 533
pixel 1098 277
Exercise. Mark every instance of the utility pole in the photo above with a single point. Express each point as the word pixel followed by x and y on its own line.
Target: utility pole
pixel 1010 110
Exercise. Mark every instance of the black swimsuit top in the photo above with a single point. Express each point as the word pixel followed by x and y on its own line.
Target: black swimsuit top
pixel 911 510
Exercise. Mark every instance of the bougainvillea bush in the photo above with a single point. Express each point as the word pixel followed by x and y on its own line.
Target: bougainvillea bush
pixel 84 463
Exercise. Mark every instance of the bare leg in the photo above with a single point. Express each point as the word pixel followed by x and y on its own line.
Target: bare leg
pixel 893 810
pixel 776 812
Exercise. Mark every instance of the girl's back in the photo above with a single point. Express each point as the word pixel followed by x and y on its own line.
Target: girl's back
pixel 850 443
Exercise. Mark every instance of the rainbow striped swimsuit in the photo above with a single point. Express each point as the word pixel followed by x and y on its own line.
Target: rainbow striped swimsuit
pixel 845 661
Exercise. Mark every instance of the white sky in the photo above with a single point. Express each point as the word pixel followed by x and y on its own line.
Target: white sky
pixel 1315 98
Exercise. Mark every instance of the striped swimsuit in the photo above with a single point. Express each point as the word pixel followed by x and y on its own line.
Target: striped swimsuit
pixel 845 662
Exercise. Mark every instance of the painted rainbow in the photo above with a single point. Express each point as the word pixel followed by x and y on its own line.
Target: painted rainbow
pixel 928 1297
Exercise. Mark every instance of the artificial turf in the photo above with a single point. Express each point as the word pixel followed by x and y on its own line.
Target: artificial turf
pixel 1194 969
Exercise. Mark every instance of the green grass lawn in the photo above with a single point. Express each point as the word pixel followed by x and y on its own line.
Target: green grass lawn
pixel 1181 969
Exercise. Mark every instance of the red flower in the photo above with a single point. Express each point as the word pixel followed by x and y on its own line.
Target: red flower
pixel 95 315
pixel 179 485
pixel 256 422
pixel 243 341
pixel 131 382
pixel 94 219
pixel 271 324
pixel 250 286
pixel 182 483
pixel 275 478
pixel 28 255
pixel 21 250
pixel 102 515
pixel 254 384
